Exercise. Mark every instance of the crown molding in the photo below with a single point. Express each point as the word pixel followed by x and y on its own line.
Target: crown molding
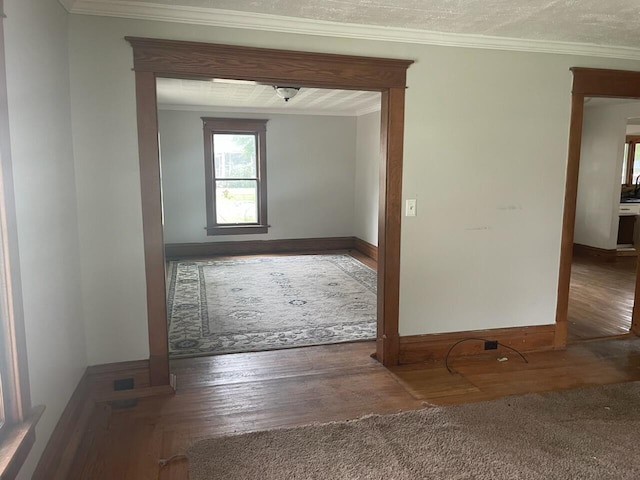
pixel 277 23
pixel 67 4
pixel 266 110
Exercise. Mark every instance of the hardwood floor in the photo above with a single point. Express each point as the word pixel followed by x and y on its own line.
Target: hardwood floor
pixel 253 391
pixel 237 393
pixel 601 297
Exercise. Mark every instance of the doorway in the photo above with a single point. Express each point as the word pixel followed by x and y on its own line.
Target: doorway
pixel 174 59
pixel 263 233
pixel 605 239
pixel 624 86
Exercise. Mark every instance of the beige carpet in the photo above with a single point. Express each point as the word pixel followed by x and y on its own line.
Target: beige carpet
pixel 579 434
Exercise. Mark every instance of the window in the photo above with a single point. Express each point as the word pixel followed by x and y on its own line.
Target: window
pixel 236 175
pixel 17 418
pixel 631 161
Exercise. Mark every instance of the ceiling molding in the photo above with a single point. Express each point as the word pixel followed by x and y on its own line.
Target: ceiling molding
pixel 67 4
pixel 277 23
pixel 262 111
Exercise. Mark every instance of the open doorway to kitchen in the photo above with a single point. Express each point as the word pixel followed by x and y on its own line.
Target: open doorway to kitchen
pixel 598 279
pixel 603 274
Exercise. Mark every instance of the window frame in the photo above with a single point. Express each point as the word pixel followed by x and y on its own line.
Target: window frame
pixel 632 141
pixel 257 127
pixel 17 432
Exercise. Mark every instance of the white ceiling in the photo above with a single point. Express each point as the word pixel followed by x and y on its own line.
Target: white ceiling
pixel 591 102
pixel 541 25
pixel 596 102
pixel 230 96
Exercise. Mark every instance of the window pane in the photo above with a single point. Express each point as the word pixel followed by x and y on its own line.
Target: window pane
pixel 234 155
pixel 636 162
pixel 624 163
pixel 236 201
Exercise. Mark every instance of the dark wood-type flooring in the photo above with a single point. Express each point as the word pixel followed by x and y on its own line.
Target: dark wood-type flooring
pixel 236 393
pixel 600 297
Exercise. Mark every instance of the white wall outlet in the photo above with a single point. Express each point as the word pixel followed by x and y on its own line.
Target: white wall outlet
pixel 410 208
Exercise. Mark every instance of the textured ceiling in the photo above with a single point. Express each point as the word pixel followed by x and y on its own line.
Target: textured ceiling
pixel 607 23
pixel 237 96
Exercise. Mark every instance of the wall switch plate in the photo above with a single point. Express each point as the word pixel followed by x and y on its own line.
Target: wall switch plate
pixel 410 209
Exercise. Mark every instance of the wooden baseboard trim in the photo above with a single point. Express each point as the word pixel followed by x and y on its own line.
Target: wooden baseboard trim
pixel 251 247
pixel 422 348
pixel 365 248
pixel 118 367
pixel 136 393
pixel 58 455
pixel 587 251
pixel 256 247
pixel 95 386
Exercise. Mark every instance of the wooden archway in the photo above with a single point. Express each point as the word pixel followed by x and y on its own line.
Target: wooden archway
pixel 166 58
pixel 587 82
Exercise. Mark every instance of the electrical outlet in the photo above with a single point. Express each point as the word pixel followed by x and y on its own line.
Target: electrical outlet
pixel 123 384
pixel 491 345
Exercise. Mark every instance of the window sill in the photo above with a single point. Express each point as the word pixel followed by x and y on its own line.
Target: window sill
pixel 16 443
pixel 237 230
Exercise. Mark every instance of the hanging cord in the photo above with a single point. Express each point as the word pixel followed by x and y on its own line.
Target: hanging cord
pixel 163 462
pixel 446 358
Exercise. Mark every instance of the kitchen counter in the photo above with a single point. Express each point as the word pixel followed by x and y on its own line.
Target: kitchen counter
pixel 629 208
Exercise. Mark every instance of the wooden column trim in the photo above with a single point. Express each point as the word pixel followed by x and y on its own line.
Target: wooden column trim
pixel 309 69
pixel 598 82
pixel 389 219
pixel 569 219
pixel 151 189
pixel 635 314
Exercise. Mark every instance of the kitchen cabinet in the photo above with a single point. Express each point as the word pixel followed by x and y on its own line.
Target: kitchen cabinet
pixel 628 214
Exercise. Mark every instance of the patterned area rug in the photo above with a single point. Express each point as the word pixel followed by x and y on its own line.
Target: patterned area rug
pixel 269 303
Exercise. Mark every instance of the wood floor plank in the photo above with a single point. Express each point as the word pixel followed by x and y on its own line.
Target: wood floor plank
pixel 601 297
pixel 237 393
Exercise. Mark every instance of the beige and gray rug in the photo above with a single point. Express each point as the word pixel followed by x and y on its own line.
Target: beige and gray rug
pixel 268 303
pixel 579 434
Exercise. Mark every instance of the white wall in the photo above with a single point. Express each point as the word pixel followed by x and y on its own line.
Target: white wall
pixel 40 124
pixel 310 176
pixel 483 251
pixel 601 156
pixel 367 177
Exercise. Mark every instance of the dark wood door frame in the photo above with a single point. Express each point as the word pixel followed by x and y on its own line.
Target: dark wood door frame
pixel 175 59
pixel 587 82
